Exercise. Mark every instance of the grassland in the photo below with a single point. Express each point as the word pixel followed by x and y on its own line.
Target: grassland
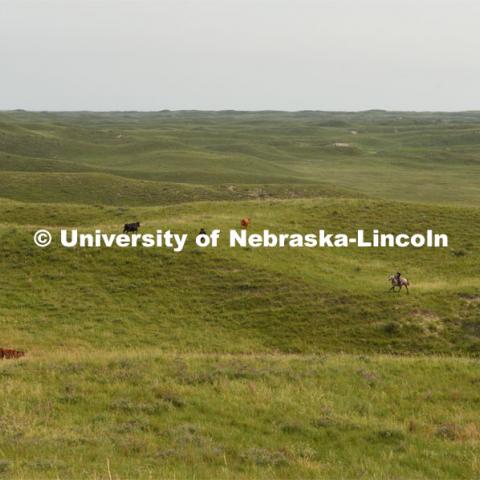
pixel 416 157
pixel 239 363
pixel 146 414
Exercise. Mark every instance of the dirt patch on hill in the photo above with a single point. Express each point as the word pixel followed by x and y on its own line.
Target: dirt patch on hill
pixel 470 299
pixel 460 433
pixel 428 322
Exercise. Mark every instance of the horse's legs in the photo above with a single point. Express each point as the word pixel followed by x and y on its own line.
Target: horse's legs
pixel 407 289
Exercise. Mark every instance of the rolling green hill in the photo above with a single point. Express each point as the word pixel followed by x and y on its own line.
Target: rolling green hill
pixel 292 300
pixel 239 363
pixel 372 152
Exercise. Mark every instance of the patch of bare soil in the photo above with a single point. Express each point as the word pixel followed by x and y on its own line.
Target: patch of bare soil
pixel 470 299
pixel 429 322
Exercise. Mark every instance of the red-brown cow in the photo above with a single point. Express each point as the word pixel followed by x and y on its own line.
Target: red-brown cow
pixel 11 353
pixel 245 222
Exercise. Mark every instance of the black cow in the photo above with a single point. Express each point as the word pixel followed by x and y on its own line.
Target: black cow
pixel 131 227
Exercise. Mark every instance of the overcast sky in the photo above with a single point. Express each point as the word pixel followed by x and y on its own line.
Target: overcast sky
pixel 239 54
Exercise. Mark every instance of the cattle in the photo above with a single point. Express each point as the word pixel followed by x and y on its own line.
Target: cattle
pixel 10 353
pixel 245 222
pixel 131 227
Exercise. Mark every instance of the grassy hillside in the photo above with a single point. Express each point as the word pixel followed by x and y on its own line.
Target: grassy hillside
pixel 147 414
pixel 109 189
pixel 300 300
pixel 239 363
pixel 408 156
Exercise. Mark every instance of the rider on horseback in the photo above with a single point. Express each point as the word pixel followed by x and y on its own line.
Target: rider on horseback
pixel 398 281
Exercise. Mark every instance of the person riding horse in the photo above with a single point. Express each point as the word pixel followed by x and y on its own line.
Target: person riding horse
pixel 398 281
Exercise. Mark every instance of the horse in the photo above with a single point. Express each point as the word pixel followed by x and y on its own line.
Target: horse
pixel 398 282
pixel 131 227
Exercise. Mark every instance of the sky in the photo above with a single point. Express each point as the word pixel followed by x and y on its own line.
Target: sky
pixel 239 54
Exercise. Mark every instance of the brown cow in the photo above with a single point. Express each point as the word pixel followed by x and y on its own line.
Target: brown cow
pixel 11 353
pixel 245 222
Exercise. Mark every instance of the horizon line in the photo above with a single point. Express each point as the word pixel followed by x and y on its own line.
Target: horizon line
pixel 230 110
